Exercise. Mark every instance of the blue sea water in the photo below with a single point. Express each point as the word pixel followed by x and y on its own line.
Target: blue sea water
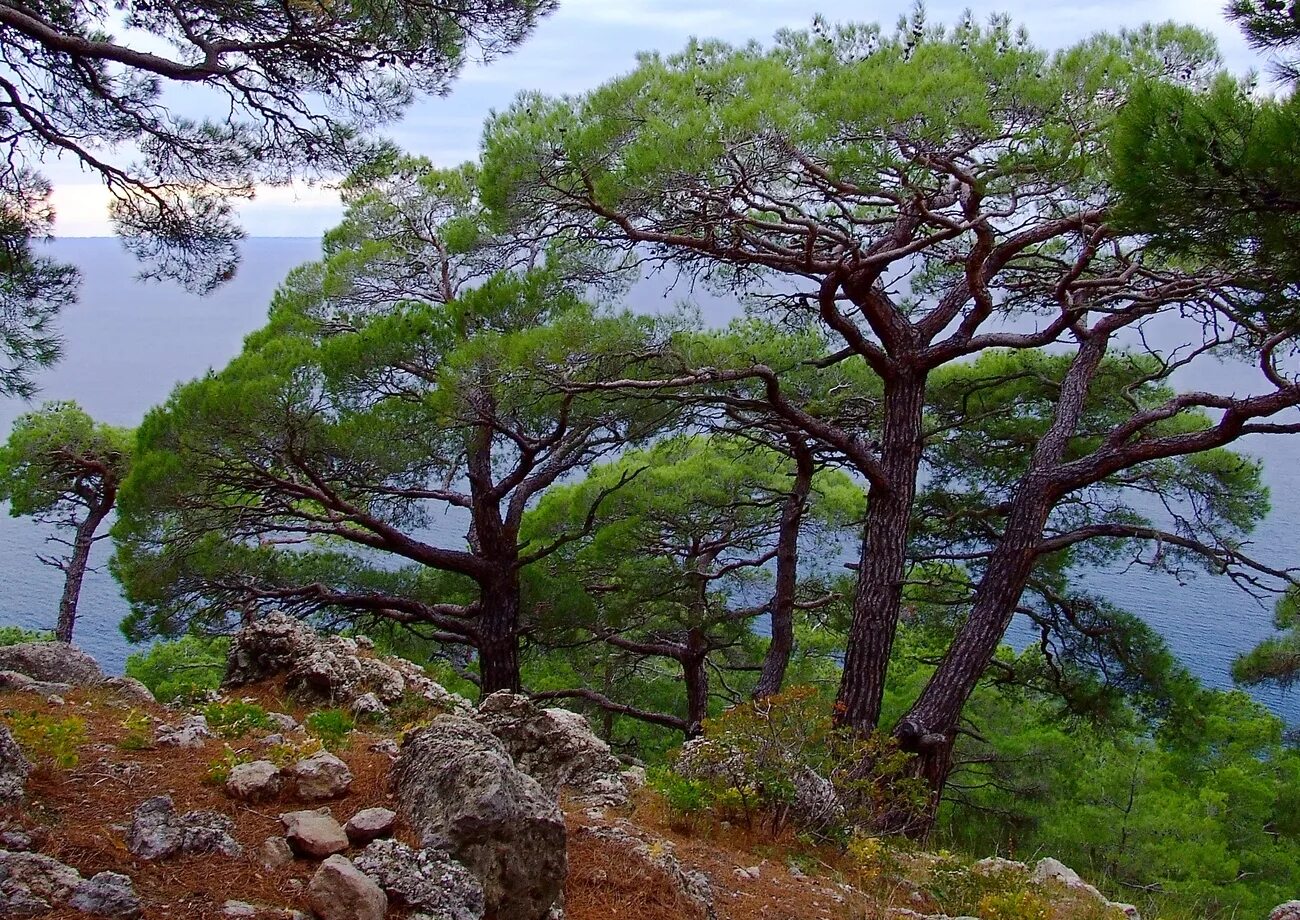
pixel 129 344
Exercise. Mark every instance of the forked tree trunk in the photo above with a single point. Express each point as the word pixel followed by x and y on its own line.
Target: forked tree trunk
pixel 75 569
pixel 779 649
pixel 878 595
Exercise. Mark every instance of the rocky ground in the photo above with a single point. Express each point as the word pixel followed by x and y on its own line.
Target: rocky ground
pixel 114 806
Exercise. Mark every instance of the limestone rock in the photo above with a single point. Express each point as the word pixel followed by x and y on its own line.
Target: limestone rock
pixel 14 769
pixel 460 790
pixel 283 721
pixel 158 832
pixel 17 682
pixel 334 670
pixel 258 781
pixel 556 747
pixel 238 909
pixel 657 856
pixel 107 894
pixel 428 881
pixel 31 884
pixel 368 704
pixel 191 733
pixel 321 776
pixel 275 852
pixel 311 833
pixel 370 824
pixel 130 690
pixel 1288 911
pixel 996 865
pixel 55 662
pixel 341 891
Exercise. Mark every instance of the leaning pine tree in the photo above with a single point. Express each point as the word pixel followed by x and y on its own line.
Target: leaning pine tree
pixel 926 197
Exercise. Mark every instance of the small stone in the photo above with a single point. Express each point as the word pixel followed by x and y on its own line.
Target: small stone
pixel 273 740
pixel 157 832
pixel 191 733
pixel 386 746
pixel 33 883
pixel 322 776
pixel 368 704
pixel 275 852
pixel 258 781
pixel 634 778
pixel 238 909
pixel 130 690
pixel 107 894
pixel 370 824
pixel 341 891
pixel 283 721
pixel 311 833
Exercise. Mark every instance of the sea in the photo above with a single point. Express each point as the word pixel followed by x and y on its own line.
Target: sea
pixel 128 343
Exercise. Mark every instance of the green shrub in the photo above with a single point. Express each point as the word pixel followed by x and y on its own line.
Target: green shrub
pixel 139 732
pixel 180 669
pixel 236 718
pixel 219 770
pixel 684 797
pixel 15 635
pixel 332 727
pixel 49 740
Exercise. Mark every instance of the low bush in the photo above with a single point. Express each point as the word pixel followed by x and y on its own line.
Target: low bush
pixel 236 718
pixel 16 635
pixel 47 740
pixel 332 727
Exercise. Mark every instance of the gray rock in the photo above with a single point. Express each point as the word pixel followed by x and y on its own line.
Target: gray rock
pixel 130 690
pixel 17 682
pixel 55 662
pixel 14 769
pixel 313 834
pixel 1130 911
pixel 238 909
pixel 15 840
pixel 107 894
pixel 386 746
pixel 556 747
pixel 1288 911
pixel 428 881
pixel 275 852
pixel 996 865
pixel 273 740
pixel 341 891
pixel 191 733
pixel 158 832
pixel 258 781
pixel 321 776
pixel 32 884
pixel 370 824
pixel 460 790
pixel 657 855
pixel 283 721
pixel 334 670
pixel 368 704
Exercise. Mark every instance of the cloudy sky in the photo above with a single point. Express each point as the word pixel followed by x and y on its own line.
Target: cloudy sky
pixel 589 41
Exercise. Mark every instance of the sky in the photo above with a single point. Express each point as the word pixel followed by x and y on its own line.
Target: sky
pixel 589 41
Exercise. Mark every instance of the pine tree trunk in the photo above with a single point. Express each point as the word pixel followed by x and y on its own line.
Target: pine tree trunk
pixel 75 571
pixel 695 674
pixel 781 645
pixel 882 565
pixel 498 633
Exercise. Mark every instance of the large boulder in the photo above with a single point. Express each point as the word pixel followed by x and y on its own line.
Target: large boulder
pixel 158 832
pixel 427 881
pixel 556 747
pixel 14 769
pixel 331 670
pixel 32 884
pixel 459 788
pixel 341 891
pixel 54 662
